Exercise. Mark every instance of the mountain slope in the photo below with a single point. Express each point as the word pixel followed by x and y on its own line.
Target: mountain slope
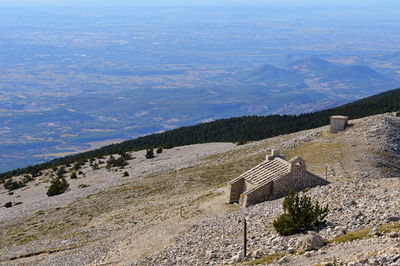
pixel 353 80
pixel 171 209
pixel 234 129
pixel 276 77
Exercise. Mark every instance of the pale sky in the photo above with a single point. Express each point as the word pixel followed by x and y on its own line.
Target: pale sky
pixel 380 3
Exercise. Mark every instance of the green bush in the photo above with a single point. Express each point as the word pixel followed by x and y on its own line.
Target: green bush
pixel 120 162
pixel 13 185
pixel 168 146
pixel 74 175
pixel 57 187
pixel 61 172
pixel 159 150
pixel 241 142
pixel 28 178
pixel 126 156
pixel 8 204
pixel 95 166
pixel 149 153
pixel 126 173
pixel 398 114
pixel 300 214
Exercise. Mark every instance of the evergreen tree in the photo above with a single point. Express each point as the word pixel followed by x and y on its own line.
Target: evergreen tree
pixel 149 153
pixel 300 214
pixel 58 186
pixel 74 175
pixel 13 185
pixel 61 171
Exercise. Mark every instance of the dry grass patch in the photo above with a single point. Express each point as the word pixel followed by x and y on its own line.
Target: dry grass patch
pixel 364 233
pixel 355 235
pixel 390 227
pixel 317 154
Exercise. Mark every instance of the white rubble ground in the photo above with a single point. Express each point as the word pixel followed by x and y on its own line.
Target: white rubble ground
pixel 364 198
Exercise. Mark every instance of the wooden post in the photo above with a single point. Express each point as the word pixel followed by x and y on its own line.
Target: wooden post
pixel 244 238
pixel 326 172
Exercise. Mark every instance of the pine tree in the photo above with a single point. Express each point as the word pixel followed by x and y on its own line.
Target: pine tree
pixel 149 153
pixel 57 187
pixel 300 214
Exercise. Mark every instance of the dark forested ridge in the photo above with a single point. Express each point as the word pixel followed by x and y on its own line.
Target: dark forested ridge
pixel 232 130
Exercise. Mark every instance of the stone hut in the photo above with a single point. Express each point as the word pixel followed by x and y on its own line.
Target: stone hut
pixel 272 179
pixel 338 123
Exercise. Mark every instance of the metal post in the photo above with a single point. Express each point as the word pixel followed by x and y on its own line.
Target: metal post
pixel 244 238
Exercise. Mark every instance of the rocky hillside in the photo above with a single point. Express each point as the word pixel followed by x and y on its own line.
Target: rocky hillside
pixel 171 210
pixel 364 204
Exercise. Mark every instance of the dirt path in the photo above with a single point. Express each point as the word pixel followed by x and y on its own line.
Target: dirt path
pixel 145 240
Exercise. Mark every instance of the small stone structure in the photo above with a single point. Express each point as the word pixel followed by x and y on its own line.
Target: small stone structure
pixel 272 179
pixel 338 123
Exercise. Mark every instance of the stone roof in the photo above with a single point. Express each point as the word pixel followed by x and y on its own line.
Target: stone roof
pixel 339 117
pixel 267 171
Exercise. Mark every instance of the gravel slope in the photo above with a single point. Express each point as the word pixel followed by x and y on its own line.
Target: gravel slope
pixel 197 228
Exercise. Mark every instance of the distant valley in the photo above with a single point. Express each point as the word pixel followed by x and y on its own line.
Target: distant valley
pixel 39 126
pixel 111 78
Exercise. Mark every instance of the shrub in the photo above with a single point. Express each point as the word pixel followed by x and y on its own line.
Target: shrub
pixel 126 173
pixel 126 156
pixel 13 185
pixel 61 172
pixel 8 204
pixel 241 142
pixel 27 178
pixel 74 175
pixel 168 146
pixel 36 173
pixel 78 165
pixel 300 214
pixel 398 114
pixel 149 153
pixel 95 166
pixel 112 162
pixel 57 187
pixel 159 150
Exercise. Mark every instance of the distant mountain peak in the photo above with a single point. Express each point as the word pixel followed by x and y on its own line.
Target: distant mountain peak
pixel 349 76
pixel 310 62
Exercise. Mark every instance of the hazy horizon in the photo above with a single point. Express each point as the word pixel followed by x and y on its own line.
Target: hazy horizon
pixel 87 72
pixel 283 3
